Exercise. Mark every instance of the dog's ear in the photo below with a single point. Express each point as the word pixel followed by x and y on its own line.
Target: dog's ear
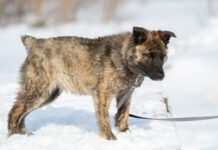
pixel 139 35
pixel 165 36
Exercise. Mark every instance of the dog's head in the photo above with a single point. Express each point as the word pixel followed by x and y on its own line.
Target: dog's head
pixel 149 52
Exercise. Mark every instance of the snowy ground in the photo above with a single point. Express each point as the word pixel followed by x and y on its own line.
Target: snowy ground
pixel 70 123
pixel 191 84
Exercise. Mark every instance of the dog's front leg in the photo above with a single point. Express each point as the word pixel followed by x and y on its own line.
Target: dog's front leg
pixel 102 102
pixel 122 115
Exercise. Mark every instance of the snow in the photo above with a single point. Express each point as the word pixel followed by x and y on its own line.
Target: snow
pixel 191 84
pixel 70 122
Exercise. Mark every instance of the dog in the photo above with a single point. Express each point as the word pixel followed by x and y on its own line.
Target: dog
pixel 105 68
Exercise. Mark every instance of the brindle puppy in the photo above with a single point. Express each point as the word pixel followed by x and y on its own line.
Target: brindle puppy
pixel 104 68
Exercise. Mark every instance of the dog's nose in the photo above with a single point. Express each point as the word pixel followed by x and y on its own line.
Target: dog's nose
pixel 159 73
pixel 160 76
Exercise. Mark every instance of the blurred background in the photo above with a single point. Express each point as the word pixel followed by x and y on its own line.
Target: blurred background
pixel 191 81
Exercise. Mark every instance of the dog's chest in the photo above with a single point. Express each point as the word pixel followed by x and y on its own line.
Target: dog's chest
pixel 115 81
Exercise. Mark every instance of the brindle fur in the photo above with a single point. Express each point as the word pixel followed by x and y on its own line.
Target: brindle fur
pixel 104 68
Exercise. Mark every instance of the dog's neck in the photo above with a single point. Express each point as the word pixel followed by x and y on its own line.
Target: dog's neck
pixel 120 47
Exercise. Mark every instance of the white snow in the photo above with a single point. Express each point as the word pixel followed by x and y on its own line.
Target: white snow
pixel 69 123
pixel 192 84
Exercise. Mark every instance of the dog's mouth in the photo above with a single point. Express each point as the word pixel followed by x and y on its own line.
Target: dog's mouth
pixel 156 75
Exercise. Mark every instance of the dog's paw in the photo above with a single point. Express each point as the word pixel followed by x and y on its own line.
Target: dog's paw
pixel 124 129
pixel 122 126
pixel 108 136
pixel 24 131
pixel 21 133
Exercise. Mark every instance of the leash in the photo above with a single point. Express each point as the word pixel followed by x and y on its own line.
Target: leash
pixel 125 97
pixel 178 119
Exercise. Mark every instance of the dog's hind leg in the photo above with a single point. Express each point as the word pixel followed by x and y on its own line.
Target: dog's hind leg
pixel 122 115
pixel 52 96
pixel 27 101
pixel 36 91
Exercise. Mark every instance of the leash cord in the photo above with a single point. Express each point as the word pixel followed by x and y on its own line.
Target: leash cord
pixel 179 119
pixel 124 99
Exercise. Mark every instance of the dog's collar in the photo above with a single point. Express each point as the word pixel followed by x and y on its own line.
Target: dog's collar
pixel 138 80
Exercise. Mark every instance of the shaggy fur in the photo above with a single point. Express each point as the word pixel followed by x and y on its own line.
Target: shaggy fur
pixel 104 68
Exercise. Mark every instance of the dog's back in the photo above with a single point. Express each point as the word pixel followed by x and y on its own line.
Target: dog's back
pixel 74 63
pixel 65 61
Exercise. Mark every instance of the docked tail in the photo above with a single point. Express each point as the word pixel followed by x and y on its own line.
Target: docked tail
pixel 28 41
